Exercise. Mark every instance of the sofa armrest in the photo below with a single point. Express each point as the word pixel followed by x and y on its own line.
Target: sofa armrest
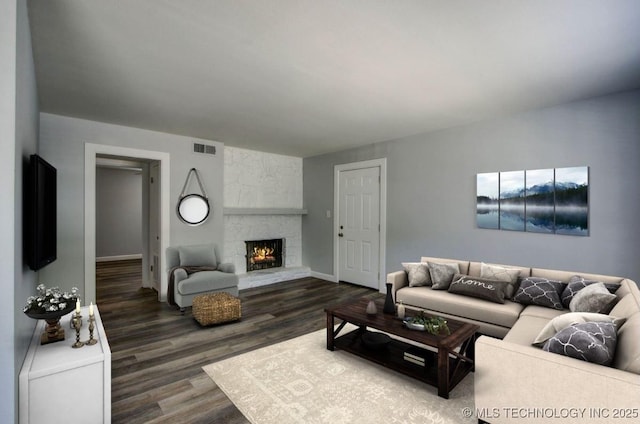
pixel 516 383
pixel 397 279
pixel 179 274
pixel 227 267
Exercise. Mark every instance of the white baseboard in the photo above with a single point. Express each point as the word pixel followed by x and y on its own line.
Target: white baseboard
pixel 327 277
pixel 119 257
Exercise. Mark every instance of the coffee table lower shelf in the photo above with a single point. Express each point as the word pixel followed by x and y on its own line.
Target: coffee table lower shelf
pixel 392 357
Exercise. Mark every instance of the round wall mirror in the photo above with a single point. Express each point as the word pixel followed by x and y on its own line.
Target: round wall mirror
pixel 193 209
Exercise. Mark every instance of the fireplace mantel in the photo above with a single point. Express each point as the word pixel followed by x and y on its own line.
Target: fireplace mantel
pixel 264 211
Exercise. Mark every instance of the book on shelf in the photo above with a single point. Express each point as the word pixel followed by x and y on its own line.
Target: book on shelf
pixel 416 355
pixel 414 361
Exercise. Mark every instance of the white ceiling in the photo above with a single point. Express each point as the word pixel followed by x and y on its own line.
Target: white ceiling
pixel 308 77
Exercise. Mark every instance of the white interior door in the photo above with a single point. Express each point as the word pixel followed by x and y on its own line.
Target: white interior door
pixel 359 226
pixel 154 225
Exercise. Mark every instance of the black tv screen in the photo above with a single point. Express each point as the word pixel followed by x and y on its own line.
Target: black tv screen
pixel 41 223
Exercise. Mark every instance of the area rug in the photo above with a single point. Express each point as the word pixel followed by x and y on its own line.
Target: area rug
pixel 300 381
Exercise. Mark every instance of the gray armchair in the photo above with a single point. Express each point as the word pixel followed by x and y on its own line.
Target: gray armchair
pixel 195 270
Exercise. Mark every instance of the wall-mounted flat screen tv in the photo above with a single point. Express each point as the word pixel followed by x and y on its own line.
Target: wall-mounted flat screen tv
pixel 41 222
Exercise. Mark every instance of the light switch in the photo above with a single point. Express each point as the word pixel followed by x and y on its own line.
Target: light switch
pixel 328 214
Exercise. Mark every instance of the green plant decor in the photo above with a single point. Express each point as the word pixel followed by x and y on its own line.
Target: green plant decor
pixel 433 325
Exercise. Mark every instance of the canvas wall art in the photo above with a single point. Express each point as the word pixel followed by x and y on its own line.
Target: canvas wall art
pixel 512 216
pixel 572 201
pixel 487 200
pixel 551 201
pixel 540 200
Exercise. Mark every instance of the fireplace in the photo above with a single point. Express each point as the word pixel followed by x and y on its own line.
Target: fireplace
pixel 264 254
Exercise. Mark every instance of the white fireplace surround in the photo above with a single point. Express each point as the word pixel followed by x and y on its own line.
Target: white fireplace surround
pixel 262 200
pixel 239 228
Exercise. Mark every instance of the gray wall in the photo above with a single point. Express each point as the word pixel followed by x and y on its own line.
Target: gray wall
pixel 431 189
pixel 8 176
pixel 62 141
pixel 27 123
pixel 118 212
pixel 18 132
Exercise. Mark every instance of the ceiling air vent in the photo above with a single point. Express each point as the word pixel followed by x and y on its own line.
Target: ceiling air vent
pixel 204 148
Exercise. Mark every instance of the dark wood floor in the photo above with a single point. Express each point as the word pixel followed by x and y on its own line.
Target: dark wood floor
pixel 157 353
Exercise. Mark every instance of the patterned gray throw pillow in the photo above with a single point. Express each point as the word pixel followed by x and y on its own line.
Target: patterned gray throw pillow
pixel 563 321
pixel 442 274
pixel 590 341
pixel 540 291
pixel 577 283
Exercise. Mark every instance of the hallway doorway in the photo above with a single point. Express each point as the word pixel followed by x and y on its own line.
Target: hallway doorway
pixel 151 265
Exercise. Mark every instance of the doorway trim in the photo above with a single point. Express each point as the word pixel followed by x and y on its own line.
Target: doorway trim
pixel 374 163
pixel 90 153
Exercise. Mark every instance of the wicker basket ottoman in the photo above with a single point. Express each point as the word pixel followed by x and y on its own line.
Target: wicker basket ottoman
pixel 214 308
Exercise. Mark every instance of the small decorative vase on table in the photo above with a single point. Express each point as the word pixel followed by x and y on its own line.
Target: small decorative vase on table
pixel 51 305
pixel 371 308
pixel 389 305
pixel 401 310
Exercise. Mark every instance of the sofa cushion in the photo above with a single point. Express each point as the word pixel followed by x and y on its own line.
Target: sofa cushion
pixel 565 320
pixel 531 321
pixel 417 273
pixel 464 265
pixel 554 274
pixel 540 291
pixel 504 315
pixel 173 257
pixel 482 288
pixel 526 328
pixel 198 255
pixel 542 312
pixel 626 287
pixel 577 283
pixel 228 267
pixel 593 298
pixel 204 281
pixel 628 349
pixel 589 341
pixel 626 307
pixel 442 274
pixel 475 268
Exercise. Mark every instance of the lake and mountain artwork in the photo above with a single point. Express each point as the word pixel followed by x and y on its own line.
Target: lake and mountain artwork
pixel 552 201
pixel 572 201
pixel 540 201
pixel 487 200
pixel 512 215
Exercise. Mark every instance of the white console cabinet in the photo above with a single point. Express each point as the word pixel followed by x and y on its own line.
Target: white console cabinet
pixel 60 384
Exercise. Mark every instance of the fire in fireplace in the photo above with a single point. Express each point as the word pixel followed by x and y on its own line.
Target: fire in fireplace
pixel 264 254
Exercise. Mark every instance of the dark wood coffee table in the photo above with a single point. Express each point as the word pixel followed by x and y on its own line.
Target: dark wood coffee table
pixel 448 358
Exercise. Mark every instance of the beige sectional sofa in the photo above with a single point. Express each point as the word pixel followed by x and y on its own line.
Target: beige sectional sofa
pixel 518 382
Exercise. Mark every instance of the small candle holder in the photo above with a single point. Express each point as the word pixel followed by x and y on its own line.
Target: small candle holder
pixel 77 324
pixel 92 327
